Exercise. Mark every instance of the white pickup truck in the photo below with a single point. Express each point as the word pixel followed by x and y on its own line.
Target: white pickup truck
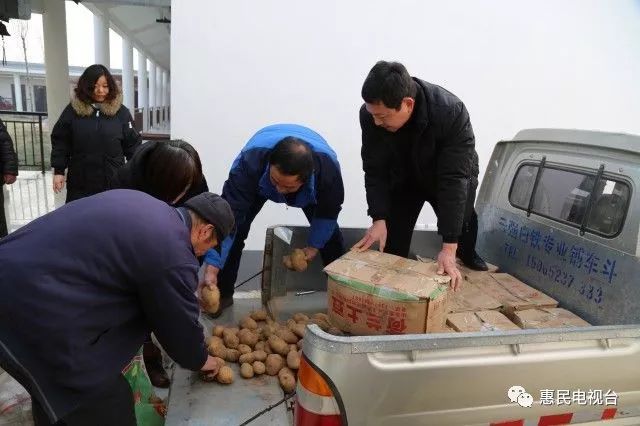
pixel 558 209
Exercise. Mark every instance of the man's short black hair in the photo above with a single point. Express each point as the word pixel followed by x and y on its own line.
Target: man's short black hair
pixel 293 157
pixel 389 83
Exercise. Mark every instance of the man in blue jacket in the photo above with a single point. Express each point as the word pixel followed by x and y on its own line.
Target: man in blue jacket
pixel 83 286
pixel 284 163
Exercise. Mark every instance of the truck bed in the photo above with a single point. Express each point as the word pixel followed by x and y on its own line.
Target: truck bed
pixel 462 378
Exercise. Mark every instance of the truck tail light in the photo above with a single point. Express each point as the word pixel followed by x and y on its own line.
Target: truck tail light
pixel 315 402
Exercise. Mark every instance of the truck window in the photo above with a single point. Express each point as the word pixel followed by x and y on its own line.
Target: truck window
pixel 610 203
pixel 522 186
pixel 566 196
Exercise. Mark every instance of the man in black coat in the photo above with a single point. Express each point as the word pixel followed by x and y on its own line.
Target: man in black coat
pixel 8 170
pixel 417 146
pixel 83 286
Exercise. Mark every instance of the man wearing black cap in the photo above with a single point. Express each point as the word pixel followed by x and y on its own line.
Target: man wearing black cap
pixel 82 287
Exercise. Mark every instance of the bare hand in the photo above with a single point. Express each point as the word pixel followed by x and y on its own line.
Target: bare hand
pixel 211 366
pixel 310 253
pixel 58 183
pixel 447 264
pixel 376 233
pixel 210 278
pixel 9 179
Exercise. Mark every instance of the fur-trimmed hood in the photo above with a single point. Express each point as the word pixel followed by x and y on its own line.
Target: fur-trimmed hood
pixel 109 108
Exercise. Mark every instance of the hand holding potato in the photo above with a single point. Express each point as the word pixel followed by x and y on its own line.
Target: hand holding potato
pixel 212 366
pixel 296 261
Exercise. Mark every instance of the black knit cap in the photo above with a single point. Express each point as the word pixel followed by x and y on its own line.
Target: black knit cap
pixel 213 209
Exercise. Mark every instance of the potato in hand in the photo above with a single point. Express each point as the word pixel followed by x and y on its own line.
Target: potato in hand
pixel 210 299
pixel 296 261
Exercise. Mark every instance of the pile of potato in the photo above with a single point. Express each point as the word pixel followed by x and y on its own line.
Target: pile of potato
pixel 262 346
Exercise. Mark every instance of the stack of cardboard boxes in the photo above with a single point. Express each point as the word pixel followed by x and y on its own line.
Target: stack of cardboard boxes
pixel 378 293
pixel 497 301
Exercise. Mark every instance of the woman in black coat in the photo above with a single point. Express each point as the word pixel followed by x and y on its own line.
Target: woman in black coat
pixel 93 136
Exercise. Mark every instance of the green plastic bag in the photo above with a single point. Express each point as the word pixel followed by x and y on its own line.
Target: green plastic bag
pixel 150 410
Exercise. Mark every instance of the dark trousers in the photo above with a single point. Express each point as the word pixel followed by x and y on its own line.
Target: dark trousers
pixel 405 209
pixel 228 275
pixel 3 219
pixel 112 406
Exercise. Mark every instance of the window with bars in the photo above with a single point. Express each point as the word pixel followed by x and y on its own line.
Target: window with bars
pixel 589 201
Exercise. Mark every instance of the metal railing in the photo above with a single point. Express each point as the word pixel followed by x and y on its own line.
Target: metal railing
pixel 26 131
pixel 29 198
pixel 156 118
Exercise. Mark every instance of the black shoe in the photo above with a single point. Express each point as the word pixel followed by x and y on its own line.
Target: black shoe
pixel 474 261
pixel 225 302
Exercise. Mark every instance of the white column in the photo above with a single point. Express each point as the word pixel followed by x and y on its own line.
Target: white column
pixel 159 94
pixel 152 91
pixel 101 49
pixel 165 95
pixel 143 90
pixel 54 27
pixel 158 86
pixel 18 92
pixel 128 91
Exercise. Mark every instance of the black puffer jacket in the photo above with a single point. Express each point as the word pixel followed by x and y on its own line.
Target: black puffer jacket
pixel 132 175
pixel 8 157
pixel 433 153
pixel 92 143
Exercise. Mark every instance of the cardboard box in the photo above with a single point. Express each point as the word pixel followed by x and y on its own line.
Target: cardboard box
pixel 525 292
pixel 470 274
pixel 480 321
pixel 547 318
pixel 378 293
pixel 513 294
pixel 484 290
pixel 471 298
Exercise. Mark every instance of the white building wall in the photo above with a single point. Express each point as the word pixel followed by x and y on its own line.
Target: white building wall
pixel 571 64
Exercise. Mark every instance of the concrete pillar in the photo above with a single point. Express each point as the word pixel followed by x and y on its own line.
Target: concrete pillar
pixel 169 99
pixel 101 40
pixel 54 26
pixel 143 89
pixel 165 88
pixel 158 86
pixel 152 91
pixel 159 93
pixel 18 92
pixel 31 97
pixel 128 90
